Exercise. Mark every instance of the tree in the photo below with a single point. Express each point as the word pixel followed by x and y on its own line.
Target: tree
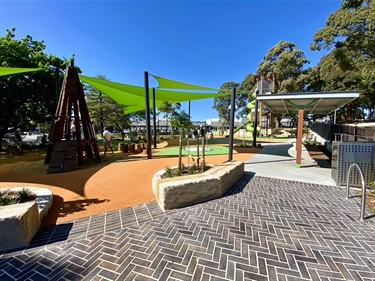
pixel 222 104
pixel 286 62
pixel 27 97
pixel 313 81
pixel 180 120
pixel 169 108
pixel 349 28
pixel 350 35
pixel 103 110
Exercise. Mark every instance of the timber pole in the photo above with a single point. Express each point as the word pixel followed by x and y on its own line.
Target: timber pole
pixel 299 138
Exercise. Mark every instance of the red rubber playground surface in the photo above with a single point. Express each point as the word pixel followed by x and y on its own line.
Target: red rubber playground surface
pixel 117 182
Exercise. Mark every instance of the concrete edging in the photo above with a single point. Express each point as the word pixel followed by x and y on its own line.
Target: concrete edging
pixel 187 190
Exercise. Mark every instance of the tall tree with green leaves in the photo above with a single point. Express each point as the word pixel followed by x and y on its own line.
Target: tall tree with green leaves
pixel 349 33
pixel 286 62
pixel 169 108
pixel 103 110
pixel 222 104
pixel 180 120
pixel 27 97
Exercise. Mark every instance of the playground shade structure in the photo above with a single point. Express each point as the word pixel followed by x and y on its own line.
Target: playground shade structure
pixel 14 70
pixel 132 98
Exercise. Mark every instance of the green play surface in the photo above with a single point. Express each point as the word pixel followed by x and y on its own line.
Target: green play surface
pixel 192 150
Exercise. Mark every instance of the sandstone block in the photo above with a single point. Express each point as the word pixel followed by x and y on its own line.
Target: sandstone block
pixel 187 190
pixel 18 225
pixel 229 173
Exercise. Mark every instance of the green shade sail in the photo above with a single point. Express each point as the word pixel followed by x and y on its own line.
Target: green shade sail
pixel 14 70
pixel 165 83
pixel 131 98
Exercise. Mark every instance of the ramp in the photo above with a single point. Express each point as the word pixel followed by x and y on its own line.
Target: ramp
pixel 63 157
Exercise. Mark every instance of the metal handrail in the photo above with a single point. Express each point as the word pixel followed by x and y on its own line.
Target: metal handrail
pixel 344 137
pixel 363 201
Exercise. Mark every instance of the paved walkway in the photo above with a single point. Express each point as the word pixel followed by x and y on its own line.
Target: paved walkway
pixel 278 160
pixel 265 229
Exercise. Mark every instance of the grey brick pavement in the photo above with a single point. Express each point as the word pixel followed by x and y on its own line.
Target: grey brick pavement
pixel 266 229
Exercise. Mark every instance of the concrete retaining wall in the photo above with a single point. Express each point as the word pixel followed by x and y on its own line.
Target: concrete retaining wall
pixel 187 190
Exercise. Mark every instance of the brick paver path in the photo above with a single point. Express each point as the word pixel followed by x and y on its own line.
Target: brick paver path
pixel 267 229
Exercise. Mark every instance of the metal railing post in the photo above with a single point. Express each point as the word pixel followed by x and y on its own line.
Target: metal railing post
pixel 363 201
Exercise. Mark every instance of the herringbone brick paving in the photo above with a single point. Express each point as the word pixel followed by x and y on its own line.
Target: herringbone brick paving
pixel 266 229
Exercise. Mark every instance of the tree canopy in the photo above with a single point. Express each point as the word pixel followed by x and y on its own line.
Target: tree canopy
pixel 103 110
pixel 349 33
pixel 169 109
pixel 28 97
pixel 286 62
pixel 222 104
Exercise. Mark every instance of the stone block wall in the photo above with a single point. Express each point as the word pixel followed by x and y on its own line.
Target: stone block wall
pixel 18 225
pixel 229 173
pixel 187 190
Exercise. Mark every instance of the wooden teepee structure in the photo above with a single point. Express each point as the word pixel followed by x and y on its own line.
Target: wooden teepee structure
pixel 71 114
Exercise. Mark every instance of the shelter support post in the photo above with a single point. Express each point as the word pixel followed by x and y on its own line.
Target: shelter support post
pixel 335 117
pixel 255 123
pixel 147 109
pixel 299 138
pixel 231 127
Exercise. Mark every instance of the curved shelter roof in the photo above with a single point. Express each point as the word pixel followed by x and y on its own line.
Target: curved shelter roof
pixel 319 103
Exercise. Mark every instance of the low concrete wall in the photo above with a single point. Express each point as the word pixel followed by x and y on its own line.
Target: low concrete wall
pixel 187 190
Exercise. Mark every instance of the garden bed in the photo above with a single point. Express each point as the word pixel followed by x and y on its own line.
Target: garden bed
pixel 187 190
pixel 21 221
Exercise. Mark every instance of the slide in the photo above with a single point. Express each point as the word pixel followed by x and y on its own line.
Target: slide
pixel 240 127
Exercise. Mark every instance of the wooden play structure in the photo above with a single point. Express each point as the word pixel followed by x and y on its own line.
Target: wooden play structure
pixel 71 133
pixel 265 119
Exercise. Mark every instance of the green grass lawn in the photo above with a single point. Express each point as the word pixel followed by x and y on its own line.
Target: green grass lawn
pixel 210 150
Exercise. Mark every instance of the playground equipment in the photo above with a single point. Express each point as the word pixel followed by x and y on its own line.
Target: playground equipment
pixel 265 86
pixel 71 131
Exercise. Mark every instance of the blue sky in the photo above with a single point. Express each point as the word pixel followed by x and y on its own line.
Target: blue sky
pixel 200 42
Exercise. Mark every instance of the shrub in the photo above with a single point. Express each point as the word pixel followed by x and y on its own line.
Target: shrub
pixel 12 197
pixel 169 172
pixel 26 195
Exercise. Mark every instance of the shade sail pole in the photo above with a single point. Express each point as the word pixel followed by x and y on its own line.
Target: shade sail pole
pixel 299 138
pixel 147 110
pixel 231 127
pixel 189 119
pixel 154 112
